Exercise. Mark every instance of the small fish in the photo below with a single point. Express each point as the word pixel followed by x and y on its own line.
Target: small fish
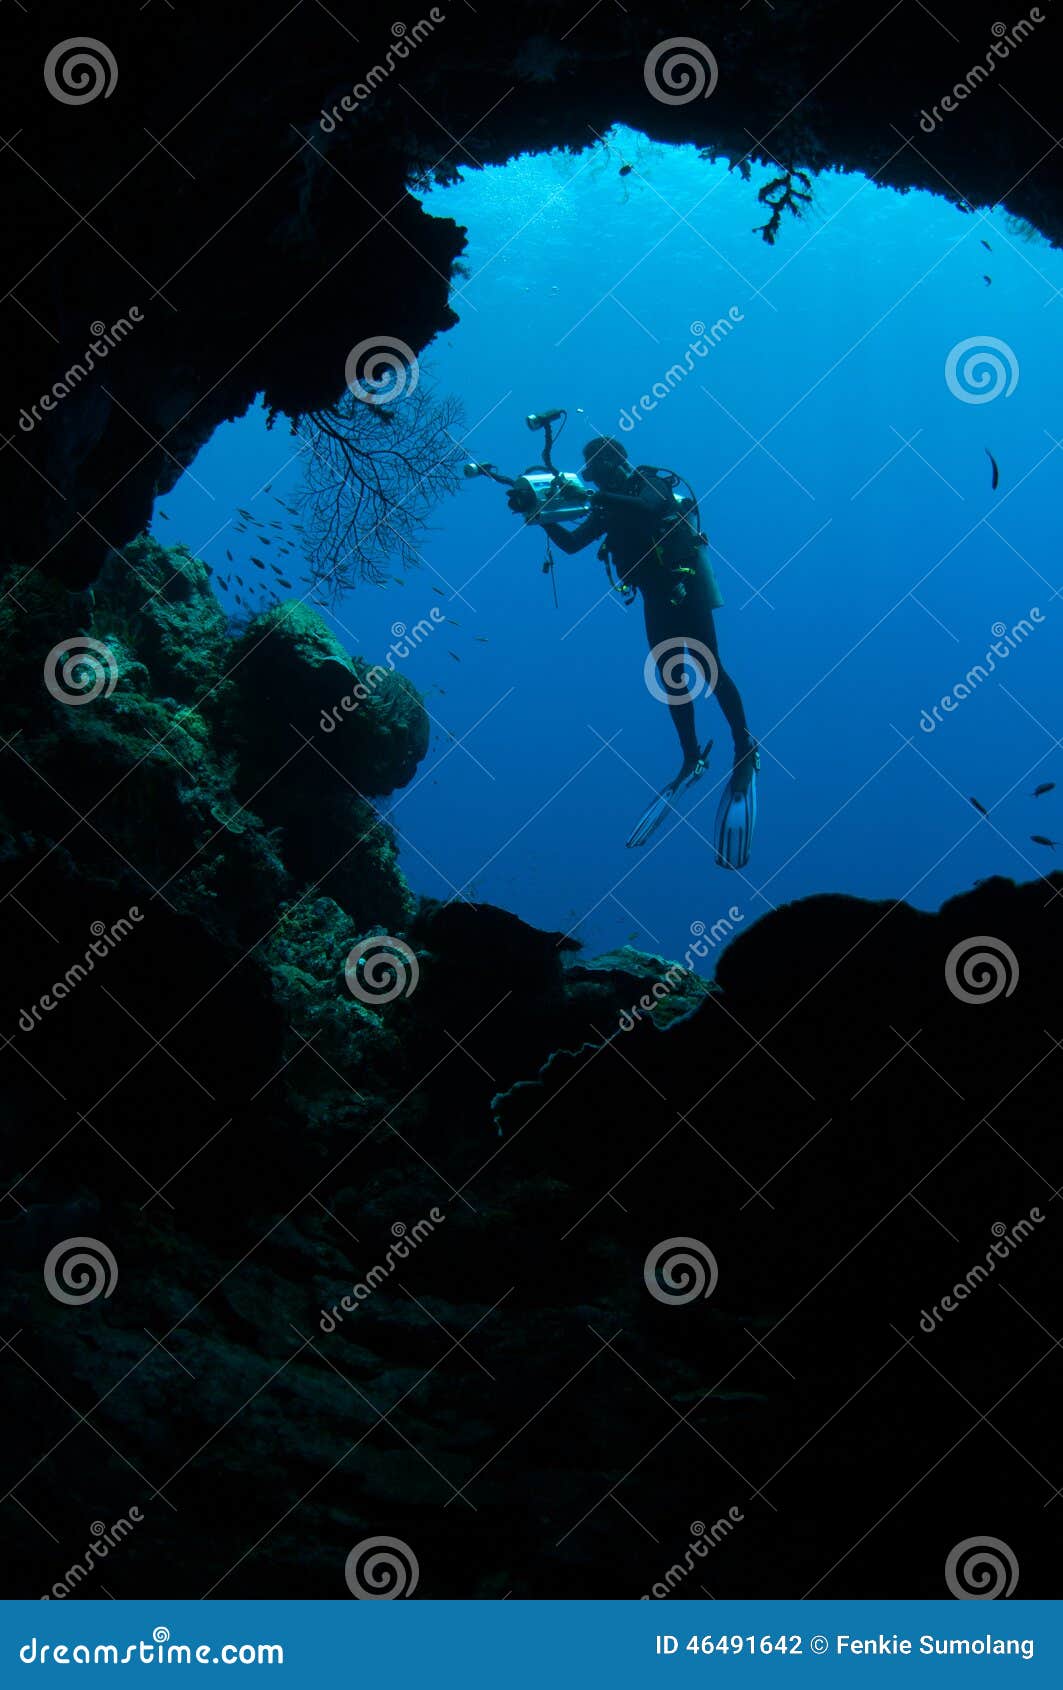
pixel 982 811
pixel 482 638
pixel 454 655
pixel 257 561
pixel 239 529
pixel 275 568
pixel 239 600
pixel 229 554
pixel 452 622
pixel 440 591
pixel 264 540
pixel 224 583
pixel 165 518
pixel 626 169
pixel 208 569
pixel 1045 786
pixel 244 513
pixel 988 280
pixel 240 579
pixel 987 246
pixel 268 488
pixel 996 468
pixel 284 583
pixel 1040 839
pixel 275 524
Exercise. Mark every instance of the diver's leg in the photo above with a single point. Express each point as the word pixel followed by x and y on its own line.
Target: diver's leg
pixel 660 633
pixel 727 693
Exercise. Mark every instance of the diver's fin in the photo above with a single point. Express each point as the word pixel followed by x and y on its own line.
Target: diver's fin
pixel 736 818
pixel 654 814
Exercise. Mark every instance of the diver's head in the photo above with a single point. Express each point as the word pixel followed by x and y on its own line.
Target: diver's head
pixel 605 462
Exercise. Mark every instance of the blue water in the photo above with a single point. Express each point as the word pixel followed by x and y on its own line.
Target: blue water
pixel 845 488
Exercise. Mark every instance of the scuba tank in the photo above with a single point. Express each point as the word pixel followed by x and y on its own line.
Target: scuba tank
pixel 679 542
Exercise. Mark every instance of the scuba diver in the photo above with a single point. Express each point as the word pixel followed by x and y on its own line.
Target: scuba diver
pixel 652 545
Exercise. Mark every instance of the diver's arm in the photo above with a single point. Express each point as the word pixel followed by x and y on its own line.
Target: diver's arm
pixel 648 501
pixel 572 540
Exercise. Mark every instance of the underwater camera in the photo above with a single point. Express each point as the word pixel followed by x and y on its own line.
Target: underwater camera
pixel 542 494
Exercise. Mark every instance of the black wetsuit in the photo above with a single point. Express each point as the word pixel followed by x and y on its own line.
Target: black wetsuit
pixel 677 607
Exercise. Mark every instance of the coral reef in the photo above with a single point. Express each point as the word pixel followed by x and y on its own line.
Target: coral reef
pixel 189 1080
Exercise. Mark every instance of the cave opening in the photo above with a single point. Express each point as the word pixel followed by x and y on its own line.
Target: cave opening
pixel 842 396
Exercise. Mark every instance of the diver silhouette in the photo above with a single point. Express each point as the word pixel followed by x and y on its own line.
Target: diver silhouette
pixel 652 546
